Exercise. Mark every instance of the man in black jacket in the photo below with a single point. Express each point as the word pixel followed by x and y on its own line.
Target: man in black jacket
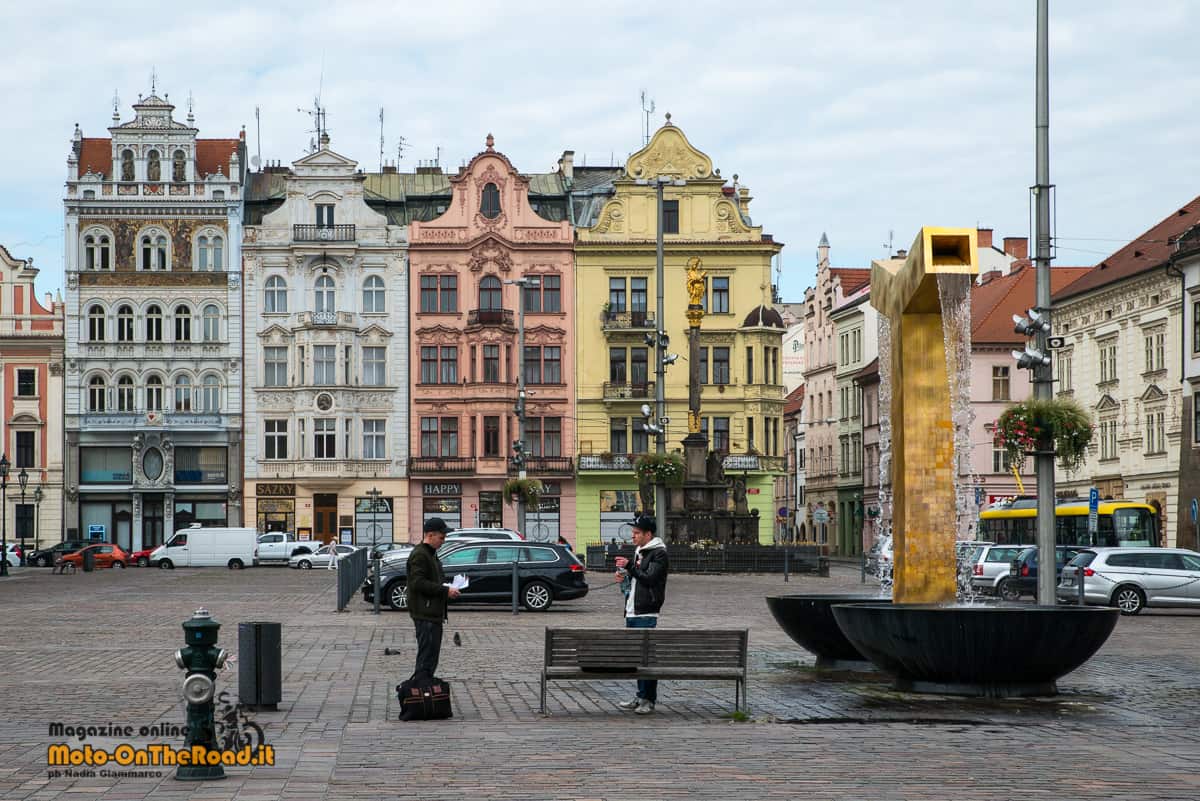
pixel 647 574
pixel 427 597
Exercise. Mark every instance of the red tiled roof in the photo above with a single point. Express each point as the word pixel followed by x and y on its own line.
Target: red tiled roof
pixel 870 371
pixel 96 155
pixel 853 278
pixel 794 402
pixel 993 304
pixel 1146 252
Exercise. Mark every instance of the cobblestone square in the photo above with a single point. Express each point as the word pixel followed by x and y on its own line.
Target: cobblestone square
pixel 96 649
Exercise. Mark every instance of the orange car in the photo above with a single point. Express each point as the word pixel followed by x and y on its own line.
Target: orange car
pixel 107 555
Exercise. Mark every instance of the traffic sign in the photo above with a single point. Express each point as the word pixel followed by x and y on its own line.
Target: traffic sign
pixel 1195 509
pixel 1093 510
pixel 820 515
pixel 1054 343
pixel 784 511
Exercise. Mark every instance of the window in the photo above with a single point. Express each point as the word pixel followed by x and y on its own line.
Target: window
pixel 125 394
pixel 26 383
pixel 324 365
pixel 154 252
pixel 491 436
pixel 429 365
pixel 275 299
pixel 429 293
pixel 1108 361
pixel 1000 463
pixel 210 394
pixel 212 323
pixel 639 441
pixel 1062 366
pixel 749 365
pixel 618 441
pixel 154 324
pixel 183 324
pixel 1196 326
pixel 125 324
pixel 203 254
pixel 1155 350
pixel 616 365
pixel 183 394
pixel 533 435
pixel 533 296
pixel 703 365
pixel 179 167
pixel 552 365
pixel 750 433
pixel 439 436
pixel 1108 439
pixel 375 366
pixel 1196 418
pixel 449 365
pixel 96 394
pixel 720 295
pixel 639 374
pixel 552 436
pixel 616 295
pixel 275 366
pixel 25 448
pixel 639 297
pixel 24 520
pixel 277 439
pixel 429 436
pixel 1000 383
pixel 490 294
pixel 489 204
pixel 373 296
pixel 127 165
pixel 96 252
pixel 154 394
pixel 720 434
pixel 491 364
pixel 324 294
pixel 720 365
pixel 325 215
pixel 533 365
pixel 1156 441
pixel 670 216
pixel 324 438
pixel 551 293
pixel 374 439
pixel 449 300
pixel 96 323
pixel 153 166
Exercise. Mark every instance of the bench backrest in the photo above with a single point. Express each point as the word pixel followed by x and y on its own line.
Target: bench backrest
pixel 601 648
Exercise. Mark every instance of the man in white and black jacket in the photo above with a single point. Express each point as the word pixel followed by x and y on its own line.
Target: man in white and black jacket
pixel 647 575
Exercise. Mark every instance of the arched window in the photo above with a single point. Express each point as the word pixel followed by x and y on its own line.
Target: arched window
pixel 153 166
pixel 105 252
pixel 210 254
pixel 154 320
pixel 210 394
pixel 154 252
pixel 275 301
pixel 124 394
pixel 96 323
pixel 373 297
pixel 218 254
pixel 125 324
pixel 183 394
pixel 212 323
pixel 489 293
pixel 154 394
pixel 183 324
pixel 96 394
pixel 489 206
pixel 179 167
pixel 96 254
pixel 126 165
pixel 89 252
pixel 202 254
pixel 325 294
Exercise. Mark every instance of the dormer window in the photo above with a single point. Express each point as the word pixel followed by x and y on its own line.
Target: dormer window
pixel 489 206
pixel 153 166
pixel 126 165
pixel 179 167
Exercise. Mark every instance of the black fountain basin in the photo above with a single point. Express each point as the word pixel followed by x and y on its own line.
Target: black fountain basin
pixel 996 651
pixel 808 620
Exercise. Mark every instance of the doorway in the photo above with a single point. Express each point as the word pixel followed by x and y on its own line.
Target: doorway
pixel 325 518
pixel 152 522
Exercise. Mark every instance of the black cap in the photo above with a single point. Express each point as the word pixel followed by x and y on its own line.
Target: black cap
pixel 436 525
pixel 646 523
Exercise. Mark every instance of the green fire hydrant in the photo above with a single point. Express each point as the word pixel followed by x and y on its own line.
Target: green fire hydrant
pixel 201 659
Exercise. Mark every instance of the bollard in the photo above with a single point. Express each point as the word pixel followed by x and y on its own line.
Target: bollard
pixel 516 588
pixel 201 659
pixel 785 564
pixel 862 569
pixel 1079 580
pixel 378 559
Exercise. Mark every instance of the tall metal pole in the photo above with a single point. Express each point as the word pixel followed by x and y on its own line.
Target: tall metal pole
pixel 1042 375
pixel 521 472
pixel 660 368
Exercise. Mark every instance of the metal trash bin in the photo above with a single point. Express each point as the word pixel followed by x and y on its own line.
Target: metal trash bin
pixel 89 560
pixel 260 664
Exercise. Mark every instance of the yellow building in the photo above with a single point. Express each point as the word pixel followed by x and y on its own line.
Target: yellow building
pixel 741 334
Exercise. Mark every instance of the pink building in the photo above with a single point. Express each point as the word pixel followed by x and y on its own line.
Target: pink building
pixel 464 351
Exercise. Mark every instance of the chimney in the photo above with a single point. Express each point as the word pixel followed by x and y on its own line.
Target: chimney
pixel 744 200
pixel 566 164
pixel 901 254
pixel 389 169
pixel 985 238
pixel 1017 246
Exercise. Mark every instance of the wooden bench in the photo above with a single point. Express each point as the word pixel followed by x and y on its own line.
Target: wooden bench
pixel 675 654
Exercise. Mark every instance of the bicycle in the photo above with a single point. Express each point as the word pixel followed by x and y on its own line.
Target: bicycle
pixel 235 729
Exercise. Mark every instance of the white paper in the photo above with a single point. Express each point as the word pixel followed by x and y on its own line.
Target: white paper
pixel 459 582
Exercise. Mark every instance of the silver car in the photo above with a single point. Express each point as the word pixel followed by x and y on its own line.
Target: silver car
pixel 989 574
pixel 307 561
pixel 1133 578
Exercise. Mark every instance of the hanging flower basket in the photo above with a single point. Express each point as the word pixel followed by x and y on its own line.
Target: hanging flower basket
pixel 665 468
pixel 1022 426
pixel 528 490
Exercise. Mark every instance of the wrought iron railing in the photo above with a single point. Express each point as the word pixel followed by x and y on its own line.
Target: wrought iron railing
pixel 323 233
pixel 444 465
pixel 627 319
pixel 546 466
pixel 615 391
pixel 490 317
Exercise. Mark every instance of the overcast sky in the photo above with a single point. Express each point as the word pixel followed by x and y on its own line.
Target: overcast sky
pixel 854 118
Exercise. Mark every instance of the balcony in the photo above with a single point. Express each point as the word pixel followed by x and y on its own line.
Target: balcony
pixel 481 317
pixel 607 461
pixel 323 233
pixel 546 466
pixel 614 391
pixel 753 462
pixel 345 469
pixel 325 319
pixel 441 465
pixel 627 320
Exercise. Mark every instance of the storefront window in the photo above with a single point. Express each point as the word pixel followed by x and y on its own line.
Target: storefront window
pixel 617 508
pixel 276 514
pixel 201 466
pixel 491 509
pixel 542 524
pixel 206 513
pixel 372 523
pixel 105 465
pixel 449 509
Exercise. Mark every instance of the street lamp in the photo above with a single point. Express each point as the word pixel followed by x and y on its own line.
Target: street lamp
pixel 37 514
pixel 519 445
pixel 23 480
pixel 4 464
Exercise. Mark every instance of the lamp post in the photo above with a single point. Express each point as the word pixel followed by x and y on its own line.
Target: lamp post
pixel 4 465
pixel 374 494
pixel 23 480
pixel 519 445
pixel 37 515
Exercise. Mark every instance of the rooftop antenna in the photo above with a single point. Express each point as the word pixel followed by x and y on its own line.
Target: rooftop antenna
pixel 646 112
pixel 153 81
pixel 116 106
pixel 891 237
pixel 401 146
pixel 437 161
pixel 258 133
pixel 191 117
pixel 381 138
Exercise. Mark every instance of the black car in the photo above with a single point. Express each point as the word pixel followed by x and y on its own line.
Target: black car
pixel 47 556
pixel 546 573
pixel 1023 571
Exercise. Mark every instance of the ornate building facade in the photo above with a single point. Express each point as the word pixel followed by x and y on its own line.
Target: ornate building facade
pixel 327 370
pixel 31 385
pixel 153 329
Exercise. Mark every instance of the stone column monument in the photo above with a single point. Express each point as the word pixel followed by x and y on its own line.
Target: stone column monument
pixel 695 444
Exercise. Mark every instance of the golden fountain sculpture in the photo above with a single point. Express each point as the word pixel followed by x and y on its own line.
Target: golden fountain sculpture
pixel 696 283
pixel 923 466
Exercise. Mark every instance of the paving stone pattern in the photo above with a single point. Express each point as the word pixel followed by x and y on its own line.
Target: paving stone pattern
pixel 95 649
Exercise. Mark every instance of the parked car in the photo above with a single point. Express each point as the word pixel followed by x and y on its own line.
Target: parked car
pixel 215 546
pixel 321 557
pixel 106 555
pixel 391 547
pixel 141 558
pixel 990 571
pixel 483 534
pixel 280 546
pixel 546 572
pixel 46 557
pixel 14 557
pixel 1133 578
pixel 1023 570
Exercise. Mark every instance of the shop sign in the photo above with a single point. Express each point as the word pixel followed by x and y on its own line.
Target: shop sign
pixel 446 489
pixel 551 488
pixel 275 490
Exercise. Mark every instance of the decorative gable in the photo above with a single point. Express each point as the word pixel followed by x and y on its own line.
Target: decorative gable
pixel 1153 394
pixel 669 153
pixel 1107 404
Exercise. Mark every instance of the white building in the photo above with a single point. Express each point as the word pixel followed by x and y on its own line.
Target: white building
pixel 153 329
pixel 326 356
pixel 1186 265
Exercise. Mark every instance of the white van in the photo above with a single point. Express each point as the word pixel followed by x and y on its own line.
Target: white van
pixel 234 548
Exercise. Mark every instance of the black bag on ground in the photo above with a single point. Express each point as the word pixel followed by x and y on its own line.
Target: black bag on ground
pixel 424 699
